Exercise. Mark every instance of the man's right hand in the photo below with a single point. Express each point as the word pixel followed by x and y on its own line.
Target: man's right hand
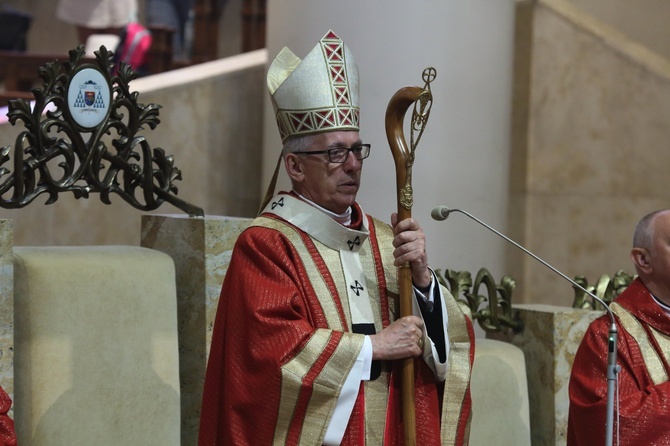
pixel 399 340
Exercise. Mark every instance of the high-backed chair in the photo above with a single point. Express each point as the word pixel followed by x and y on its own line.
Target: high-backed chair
pixel 96 356
pixel 500 410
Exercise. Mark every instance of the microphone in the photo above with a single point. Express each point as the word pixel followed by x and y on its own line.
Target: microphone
pixel 441 213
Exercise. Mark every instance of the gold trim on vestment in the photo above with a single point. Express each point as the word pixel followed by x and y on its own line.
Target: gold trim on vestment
pixel 376 406
pixel 322 401
pixel 384 235
pixel 330 310
pixel 663 341
pixel 377 391
pixel 459 366
pixel 292 378
pixel 650 355
pixel 331 258
pixel 368 265
pixel 293 373
pixel 327 387
pixel 459 371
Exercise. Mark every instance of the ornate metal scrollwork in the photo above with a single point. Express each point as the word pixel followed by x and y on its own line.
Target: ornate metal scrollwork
pixel 60 153
pixel 607 288
pixel 494 310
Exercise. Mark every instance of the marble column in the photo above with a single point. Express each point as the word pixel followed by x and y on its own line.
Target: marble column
pixel 201 250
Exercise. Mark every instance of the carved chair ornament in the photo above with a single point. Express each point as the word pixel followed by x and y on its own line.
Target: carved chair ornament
pixel 84 135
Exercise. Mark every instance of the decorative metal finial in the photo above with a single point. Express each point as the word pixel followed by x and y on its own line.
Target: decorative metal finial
pixel 420 115
pixel 82 136
pixel 422 107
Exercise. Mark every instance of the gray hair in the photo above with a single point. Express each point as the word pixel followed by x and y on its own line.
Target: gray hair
pixel 644 230
pixel 298 143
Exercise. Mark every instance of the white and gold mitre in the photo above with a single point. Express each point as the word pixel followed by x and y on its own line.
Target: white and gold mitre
pixel 317 94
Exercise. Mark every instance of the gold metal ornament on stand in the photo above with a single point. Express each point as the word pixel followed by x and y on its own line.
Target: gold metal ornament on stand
pixel 403 156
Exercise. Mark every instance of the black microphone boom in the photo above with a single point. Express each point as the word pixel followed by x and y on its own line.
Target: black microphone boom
pixel 442 213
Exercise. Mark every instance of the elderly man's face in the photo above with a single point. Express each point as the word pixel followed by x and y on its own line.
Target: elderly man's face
pixel 332 186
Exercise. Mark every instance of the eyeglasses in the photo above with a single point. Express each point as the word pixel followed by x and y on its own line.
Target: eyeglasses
pixel 340 154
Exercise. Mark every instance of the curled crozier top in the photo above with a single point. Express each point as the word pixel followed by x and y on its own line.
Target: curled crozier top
pixel 403 155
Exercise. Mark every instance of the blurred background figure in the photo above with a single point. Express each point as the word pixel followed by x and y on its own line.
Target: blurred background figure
pixel 14 26
pixel 97 16
pixel 175 14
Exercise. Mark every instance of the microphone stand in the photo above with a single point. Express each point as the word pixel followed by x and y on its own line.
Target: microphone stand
pixel 442 212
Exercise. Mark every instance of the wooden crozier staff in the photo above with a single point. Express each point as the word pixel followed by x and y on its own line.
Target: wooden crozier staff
pixel 404 159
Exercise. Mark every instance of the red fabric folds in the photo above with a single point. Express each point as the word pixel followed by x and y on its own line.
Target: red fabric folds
pixel 7 433
pixel 644 408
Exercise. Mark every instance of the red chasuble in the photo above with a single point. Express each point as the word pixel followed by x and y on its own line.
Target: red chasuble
pixel 283 344
pixel 644 390
pixel 7 433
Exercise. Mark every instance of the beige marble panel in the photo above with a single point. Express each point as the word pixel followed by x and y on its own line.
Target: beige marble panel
pixel 201 249
pixel 598 147
pixel 7 305
pixel 549 341
pixel 644 20
pixel 597 109
pixel 499 395
pixel 96 346
pixel 578 235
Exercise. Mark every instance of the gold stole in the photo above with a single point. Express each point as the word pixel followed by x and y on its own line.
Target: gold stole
pixel 652 360
pixel 457 382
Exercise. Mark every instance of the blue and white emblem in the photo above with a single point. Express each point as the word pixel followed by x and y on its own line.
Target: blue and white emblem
pixel 88 97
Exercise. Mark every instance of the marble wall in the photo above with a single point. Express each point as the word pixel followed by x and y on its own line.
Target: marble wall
pixel 201 249
pixel 645 21
pixel 590 148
